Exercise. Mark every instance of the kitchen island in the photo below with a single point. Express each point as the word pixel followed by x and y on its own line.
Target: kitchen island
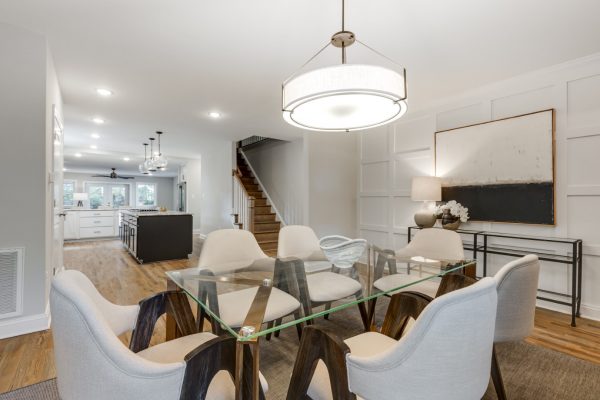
pixel 156 235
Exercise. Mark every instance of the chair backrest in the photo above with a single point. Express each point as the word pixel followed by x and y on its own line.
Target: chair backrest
pixel 91 362
pixel 228 249
pixel 517 284
pixel 299 241
pixel 446 355
pixel 435 243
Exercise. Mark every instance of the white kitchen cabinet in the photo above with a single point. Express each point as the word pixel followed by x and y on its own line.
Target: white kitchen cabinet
pixel 87 224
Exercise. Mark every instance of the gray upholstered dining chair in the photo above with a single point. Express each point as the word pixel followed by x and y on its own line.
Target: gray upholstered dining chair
pixel 433 243
pixel 446 354
pixel 93 364
pixel 517 284
pixel 324 287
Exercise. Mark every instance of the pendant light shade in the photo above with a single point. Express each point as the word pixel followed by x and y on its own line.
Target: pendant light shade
pixel 160 161
pixel 142 167
pixel 344 97
pixel 149 163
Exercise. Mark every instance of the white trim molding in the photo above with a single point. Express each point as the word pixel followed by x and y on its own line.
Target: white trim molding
pixel 22 325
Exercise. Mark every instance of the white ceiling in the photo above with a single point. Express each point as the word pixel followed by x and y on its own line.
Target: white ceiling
pixel 171 62
pixel 99 162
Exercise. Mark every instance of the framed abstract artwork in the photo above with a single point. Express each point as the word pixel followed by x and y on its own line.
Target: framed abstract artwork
pixel 502 170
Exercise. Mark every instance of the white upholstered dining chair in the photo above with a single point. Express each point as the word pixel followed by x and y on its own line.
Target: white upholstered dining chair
pixel 324 287
pixel 445 355
pixel 517 284
pixel 301 242
pixel 432 243
pixel 93 364
pixel 229 250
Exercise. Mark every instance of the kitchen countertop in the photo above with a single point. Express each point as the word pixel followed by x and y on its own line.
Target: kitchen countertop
pixel 91 209
pixel 154 213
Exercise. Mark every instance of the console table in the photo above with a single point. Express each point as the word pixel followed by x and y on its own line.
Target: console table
pixel 481 246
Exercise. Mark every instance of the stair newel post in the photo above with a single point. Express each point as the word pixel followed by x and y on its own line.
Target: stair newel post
pixel 251 213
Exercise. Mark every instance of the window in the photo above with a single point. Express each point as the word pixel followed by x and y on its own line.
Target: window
pixel 96 195
pixel 119 196
pixel 107 194
pixel 68 190
pixel 145 194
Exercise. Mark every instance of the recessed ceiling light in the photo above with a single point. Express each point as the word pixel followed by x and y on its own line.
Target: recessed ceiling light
pixel 126 158
pixel 95 136
pixel 93 147
pixel 77 155
pixel 98 120
pixel 104 92
pixel 64 169
pixel 214 114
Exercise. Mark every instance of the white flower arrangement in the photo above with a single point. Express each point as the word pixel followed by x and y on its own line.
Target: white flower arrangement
pixel 455 209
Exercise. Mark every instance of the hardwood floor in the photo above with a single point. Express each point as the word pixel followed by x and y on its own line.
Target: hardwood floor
pixel 29 359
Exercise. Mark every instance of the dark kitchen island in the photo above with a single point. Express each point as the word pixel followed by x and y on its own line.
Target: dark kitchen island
pixel 156 236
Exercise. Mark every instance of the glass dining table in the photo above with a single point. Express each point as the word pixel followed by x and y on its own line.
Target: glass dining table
pixel 240 299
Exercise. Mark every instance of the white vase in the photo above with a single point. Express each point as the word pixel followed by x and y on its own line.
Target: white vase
pixel 341 251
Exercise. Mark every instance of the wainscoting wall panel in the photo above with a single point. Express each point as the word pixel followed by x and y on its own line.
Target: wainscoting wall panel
pixel 406 149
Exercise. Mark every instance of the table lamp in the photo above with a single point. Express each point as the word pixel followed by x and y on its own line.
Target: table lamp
pixel 427 189
pixel 80 197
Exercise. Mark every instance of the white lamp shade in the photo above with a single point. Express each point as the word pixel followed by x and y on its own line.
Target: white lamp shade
pixel 426 188
pixel 344 97
pixel 80 196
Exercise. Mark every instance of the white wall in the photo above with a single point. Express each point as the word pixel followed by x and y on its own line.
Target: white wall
pixel 208 181
pixel 332 182
pixel 281 167
pixel 312 181
pixel 28 89
pixel 164 186
pixel 392 155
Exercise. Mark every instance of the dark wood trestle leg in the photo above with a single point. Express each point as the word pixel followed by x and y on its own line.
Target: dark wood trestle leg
pixel 497 377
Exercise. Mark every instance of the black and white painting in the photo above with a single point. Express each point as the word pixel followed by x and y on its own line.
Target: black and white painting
pixel 502 170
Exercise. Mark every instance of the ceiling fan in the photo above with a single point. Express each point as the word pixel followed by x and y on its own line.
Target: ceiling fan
pixel 113 175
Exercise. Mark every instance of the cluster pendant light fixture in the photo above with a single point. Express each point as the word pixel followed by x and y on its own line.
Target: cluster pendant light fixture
pixel 344 97
pixel 156 161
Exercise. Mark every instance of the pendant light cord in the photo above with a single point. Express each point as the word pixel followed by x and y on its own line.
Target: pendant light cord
pixel 343 15
pixel 343 29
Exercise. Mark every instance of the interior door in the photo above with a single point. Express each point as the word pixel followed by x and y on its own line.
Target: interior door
pixel 58 212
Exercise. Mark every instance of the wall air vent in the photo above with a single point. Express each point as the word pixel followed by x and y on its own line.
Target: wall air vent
pixel 11 282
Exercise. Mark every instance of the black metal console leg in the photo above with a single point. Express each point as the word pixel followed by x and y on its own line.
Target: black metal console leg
pixel 574 285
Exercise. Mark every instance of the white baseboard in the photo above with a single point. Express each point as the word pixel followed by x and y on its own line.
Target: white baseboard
pixel 587 310
pixel 22 325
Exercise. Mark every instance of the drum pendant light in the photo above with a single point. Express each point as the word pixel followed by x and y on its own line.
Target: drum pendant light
pixel 344 97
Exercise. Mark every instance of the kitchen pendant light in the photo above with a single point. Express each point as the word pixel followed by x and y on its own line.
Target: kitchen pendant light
pixel 142 167
pixel 149 163
pixel 344 97
pixel 160 161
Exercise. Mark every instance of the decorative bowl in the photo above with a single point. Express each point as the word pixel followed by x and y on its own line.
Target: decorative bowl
pixel 341 251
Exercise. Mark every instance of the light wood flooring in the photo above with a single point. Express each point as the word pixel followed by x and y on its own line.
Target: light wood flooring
pixel 28 359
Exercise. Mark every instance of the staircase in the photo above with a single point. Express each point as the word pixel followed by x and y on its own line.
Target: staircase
pixel 263 222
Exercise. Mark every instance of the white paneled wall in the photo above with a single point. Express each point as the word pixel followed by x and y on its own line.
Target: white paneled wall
pixel 392 155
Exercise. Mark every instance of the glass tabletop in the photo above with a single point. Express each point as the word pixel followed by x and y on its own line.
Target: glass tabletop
pixel 253 299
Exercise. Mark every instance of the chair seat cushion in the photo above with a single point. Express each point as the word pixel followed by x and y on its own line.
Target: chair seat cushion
pixel 390 282
pixel 315 266
pixel 234 306
pixel 363 345
pixel 329 286
pixel 174 351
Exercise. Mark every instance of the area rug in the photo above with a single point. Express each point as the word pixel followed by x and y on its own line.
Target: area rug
pixel 530 372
